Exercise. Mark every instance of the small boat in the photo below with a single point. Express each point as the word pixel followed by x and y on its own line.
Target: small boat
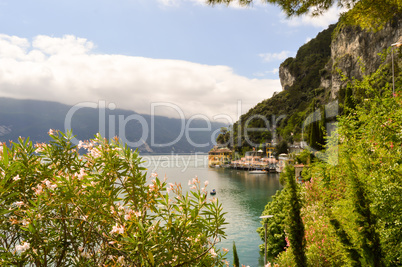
pixel 257 172
pixel 213 192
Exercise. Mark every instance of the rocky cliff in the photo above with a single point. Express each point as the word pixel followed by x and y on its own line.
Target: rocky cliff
pixel 352 49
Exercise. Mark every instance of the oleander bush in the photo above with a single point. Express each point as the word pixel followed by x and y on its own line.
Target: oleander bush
pixel 60 208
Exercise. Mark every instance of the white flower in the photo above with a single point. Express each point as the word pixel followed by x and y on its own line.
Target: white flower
pixel 51 132
pixel 22 248
pixel 16 178
pixel 206 183
pixel 154 174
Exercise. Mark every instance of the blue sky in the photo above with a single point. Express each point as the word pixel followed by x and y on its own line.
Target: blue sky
pixel 194 56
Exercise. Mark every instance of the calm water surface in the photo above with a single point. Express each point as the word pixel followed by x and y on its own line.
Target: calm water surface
pixel 243 197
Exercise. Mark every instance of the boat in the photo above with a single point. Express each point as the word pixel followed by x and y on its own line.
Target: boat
pixel 258 172
pixel 213 192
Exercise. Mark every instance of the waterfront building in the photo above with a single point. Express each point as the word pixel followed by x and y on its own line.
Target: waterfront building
pixel 219 156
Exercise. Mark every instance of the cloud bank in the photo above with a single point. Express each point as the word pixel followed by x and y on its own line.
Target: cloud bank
pixel 329 17
pixel 65 70
pixel 268 57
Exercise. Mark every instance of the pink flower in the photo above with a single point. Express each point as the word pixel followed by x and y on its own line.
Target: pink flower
pixel 117 229
pixel 38 189
pixel 80 144
pixel 22 248
pixel 19 203
pixel 51 132
pixel 81 174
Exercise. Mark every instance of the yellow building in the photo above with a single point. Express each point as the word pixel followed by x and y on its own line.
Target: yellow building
pixel 219 156
pixel 270 148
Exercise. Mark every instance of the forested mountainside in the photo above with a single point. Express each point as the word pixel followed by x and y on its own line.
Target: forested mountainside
pixel 34 119
pixel 318 75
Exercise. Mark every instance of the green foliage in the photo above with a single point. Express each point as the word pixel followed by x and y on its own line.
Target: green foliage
pixel 305 157
pixel 316 123
pixel 280 148
pixel 367 14
pixel 236 262
pixel 276 242
pixel 62 209
pixel 372 15
pixel 225 138
pixel 349 103
pixel 352 209
pixel 294 223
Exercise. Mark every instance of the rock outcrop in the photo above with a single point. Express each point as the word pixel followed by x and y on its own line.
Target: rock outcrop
pixel 354 52
pixel 286 77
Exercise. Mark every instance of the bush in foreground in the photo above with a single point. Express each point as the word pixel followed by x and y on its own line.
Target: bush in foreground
pixel 58 208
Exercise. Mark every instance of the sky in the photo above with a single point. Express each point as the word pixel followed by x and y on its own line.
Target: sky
pixel 165 57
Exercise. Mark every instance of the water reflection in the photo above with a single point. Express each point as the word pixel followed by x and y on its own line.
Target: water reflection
pixel 243 197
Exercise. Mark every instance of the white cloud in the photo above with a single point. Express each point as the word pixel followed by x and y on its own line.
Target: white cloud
pixel 264 73
pixel 65 70
pixel 267 57
pixel 178 2
pixel 329 17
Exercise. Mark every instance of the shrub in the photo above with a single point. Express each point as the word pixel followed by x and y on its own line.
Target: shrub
pixel 59 208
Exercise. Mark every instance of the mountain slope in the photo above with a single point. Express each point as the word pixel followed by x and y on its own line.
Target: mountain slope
pixel 156 134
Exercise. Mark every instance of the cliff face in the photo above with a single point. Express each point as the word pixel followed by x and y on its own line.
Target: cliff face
pixel 286 77
pixel 351 49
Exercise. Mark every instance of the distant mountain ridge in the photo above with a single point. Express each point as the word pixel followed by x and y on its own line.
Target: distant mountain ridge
pixel 150 134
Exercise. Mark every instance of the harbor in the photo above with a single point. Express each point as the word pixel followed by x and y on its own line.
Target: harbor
pixel 253 161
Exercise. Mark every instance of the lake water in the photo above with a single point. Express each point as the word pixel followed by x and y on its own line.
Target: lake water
pixel 243 197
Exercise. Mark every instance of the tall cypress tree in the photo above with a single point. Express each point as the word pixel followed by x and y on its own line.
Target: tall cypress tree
pixel 365 220
pixel 317 127
pixel 236 262
pixel 295 226
pixel 349 103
